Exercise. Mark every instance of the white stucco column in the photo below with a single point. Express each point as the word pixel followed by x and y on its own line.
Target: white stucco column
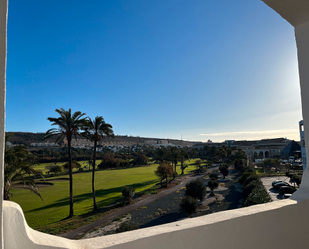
pixel 296 12
pixel 3 25
pixel 302 40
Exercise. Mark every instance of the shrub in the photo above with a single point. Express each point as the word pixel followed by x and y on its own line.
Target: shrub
pixel 75 165
pixel 297 179
pixel 128 193
pixel 257 196
pixel 189 205
pixel 54 169
pixel 213 175
pixel 250 186
pixel 126 227
pixel 224 170
pixel 140 159
pixel 196 189
pixel 212 184
pixel 250 179
pixel 244 176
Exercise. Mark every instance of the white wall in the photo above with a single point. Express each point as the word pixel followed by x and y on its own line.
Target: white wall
pixel 3 21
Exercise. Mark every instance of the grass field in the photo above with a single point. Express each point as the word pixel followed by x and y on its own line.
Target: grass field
pixel 42 166
pixel 109 184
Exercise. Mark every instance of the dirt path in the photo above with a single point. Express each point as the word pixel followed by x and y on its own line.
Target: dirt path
pixel 74 234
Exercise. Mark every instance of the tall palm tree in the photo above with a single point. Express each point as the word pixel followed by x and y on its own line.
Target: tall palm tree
pixel 96 130
pixel 69 126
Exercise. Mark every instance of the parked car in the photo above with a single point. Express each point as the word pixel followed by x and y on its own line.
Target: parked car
pixel 275 182
pixel 287 196
pixel 280 184
pixel 287 190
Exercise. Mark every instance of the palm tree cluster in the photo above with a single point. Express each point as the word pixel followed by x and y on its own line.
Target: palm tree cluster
pixel 18 170
pixel 72 125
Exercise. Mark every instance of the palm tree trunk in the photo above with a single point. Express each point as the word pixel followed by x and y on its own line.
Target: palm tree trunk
pixel 95 207
pixel 71 177
pixel 6 194
pixel 182 169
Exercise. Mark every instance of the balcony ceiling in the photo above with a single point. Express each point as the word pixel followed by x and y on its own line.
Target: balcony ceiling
pixel 295 12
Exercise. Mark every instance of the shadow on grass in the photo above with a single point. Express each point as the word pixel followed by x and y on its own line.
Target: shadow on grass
pixel 100 192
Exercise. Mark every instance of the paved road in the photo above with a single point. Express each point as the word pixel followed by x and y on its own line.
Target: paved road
pixel 108 218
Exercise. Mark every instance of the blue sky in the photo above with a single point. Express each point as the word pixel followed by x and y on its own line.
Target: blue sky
pixel 159 68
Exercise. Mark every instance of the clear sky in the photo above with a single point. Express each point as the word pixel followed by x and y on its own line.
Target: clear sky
pixel 158 68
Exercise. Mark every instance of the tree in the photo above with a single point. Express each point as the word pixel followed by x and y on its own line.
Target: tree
pixel 128 193
pixel 96 130
pixel 239 156
pixel 68 126
pixel 198 164
pixel 224 170
pixel 183 155
pixel 213 175
pixel 174 156
pixel 140 159
pixel 189 205
pixel 268 164
pixel 89 163
pixel 212 184
pixel 164 171
pixel 196 189
pixel 18 170
pixel 160 154
pixel 74 165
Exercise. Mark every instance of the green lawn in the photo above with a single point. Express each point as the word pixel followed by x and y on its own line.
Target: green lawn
pixel 108 185
pixel 42 166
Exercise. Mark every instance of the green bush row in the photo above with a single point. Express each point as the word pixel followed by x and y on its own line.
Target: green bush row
pixel 253 189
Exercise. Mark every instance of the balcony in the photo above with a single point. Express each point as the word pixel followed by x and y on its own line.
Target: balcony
pixel 280 224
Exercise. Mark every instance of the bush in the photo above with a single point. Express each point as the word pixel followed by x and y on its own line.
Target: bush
pixel 196 189
pixel 213 175
pixel 126 227
pixel 250 179
pixel 250 186
pixel 212 184
pixel 189 205
pixel 224 170
pixel 257 196
pixel 128 193
pixel 75 165
pixel 54 169
pixel 140 159
pixel 244 176
pixel 297 179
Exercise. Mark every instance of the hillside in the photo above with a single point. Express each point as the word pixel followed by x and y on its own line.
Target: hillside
pixel 27 138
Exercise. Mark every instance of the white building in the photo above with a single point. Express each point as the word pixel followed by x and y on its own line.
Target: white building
pixel 302 143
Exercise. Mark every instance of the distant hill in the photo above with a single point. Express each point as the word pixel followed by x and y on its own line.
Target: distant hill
pixel 27 138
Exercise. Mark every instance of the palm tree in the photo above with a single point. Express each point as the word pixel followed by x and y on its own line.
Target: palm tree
pixel 69 126
pixel 95 130
pixel 18 170
pixel 174 156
